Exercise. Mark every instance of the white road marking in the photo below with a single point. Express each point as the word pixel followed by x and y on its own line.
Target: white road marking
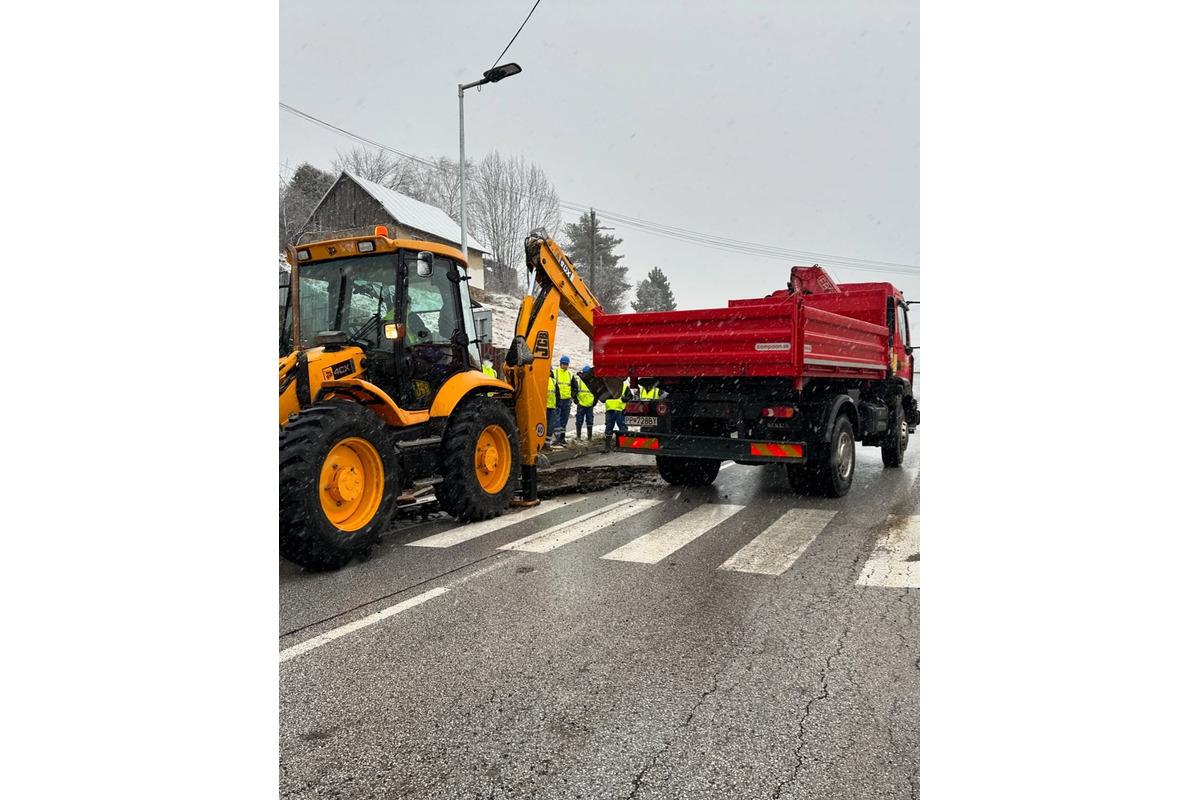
pixel 370 619
pixel 660 543
pixel 572 530
pixel 889 564
pixel 774 550
pixel 473 530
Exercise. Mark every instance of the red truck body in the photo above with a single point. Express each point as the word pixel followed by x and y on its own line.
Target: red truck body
pixel 766 379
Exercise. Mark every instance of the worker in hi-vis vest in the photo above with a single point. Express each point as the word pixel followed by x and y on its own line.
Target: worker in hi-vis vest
pixel 614 414
pixel 584 401
pixel 562 377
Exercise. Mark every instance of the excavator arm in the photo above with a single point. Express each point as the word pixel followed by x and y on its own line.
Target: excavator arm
pixel 554 288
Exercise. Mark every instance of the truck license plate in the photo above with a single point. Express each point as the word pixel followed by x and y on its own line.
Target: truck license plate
pixel 639 421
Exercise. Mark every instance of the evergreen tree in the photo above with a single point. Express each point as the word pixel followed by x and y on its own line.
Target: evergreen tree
pixel 297 199
pixel 654 293
pixel 609 283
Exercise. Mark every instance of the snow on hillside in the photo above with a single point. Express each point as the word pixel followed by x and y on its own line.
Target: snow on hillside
pixel 569 341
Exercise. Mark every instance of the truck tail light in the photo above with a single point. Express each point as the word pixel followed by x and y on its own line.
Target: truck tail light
pixel 637 408
pixel 779 411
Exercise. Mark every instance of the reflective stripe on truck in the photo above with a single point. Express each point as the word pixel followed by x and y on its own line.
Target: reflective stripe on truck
pixel 719 447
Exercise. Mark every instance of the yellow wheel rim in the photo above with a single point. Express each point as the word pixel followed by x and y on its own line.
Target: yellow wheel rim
pixel 493 459
pixel 351 484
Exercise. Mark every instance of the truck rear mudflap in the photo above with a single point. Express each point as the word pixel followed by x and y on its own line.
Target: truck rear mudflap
pixel 747 451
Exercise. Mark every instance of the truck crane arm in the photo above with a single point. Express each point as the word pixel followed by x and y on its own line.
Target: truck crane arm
pixel 554 287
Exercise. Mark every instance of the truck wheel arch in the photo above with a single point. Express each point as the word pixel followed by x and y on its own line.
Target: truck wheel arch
pixel 825 411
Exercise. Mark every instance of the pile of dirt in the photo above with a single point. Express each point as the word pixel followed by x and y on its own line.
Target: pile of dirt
pixel 581 480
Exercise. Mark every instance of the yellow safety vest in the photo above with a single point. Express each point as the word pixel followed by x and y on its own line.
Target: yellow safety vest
pixel 551 399
pixel 491 373
pixel 564 383
pixel 616 403
pixel 584 395
pixel 651 394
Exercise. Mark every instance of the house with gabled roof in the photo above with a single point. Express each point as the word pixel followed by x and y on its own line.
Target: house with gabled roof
pixel 353 206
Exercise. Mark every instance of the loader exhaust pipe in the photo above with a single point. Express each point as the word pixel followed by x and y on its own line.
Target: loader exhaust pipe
pixel 295 296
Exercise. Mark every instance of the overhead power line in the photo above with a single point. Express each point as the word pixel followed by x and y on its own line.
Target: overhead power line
pixel 518 33
pixel 658 229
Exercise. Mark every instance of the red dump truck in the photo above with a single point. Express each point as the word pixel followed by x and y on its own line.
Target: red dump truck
pixel 795 378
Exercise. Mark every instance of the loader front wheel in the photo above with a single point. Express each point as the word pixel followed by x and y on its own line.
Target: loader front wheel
pixel 479 455
pixel 338 482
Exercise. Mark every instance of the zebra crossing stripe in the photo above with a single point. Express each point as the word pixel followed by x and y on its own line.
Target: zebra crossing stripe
pixel 660 543
pixel 570 531
pixel 774 550
pixel 465 533
pixel 896 559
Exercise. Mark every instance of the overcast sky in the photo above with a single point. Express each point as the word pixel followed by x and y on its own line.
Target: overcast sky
pixel 787 125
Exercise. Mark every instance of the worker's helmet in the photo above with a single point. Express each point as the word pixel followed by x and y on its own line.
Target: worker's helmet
pixel 586 367
pixel 564 360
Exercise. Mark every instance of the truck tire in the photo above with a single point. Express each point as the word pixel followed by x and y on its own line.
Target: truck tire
pixel 338 482
pixel 830 472
pixel 897 437
pixel 680 471
pixel 479 456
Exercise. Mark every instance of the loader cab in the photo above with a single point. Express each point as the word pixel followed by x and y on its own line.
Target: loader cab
pixel 407 309
pixel 435 340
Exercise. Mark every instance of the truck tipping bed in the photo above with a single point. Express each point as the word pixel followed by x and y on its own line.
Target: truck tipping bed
pixel 785 335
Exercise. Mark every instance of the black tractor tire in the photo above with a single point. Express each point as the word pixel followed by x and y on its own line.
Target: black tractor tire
pixel 830 470
pixel 338 482
pixel 480 460
pixel 897 437
pixel 681 471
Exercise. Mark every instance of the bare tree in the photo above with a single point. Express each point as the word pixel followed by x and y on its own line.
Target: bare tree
pixel 438 185
pixel 508 200
pixel 393 172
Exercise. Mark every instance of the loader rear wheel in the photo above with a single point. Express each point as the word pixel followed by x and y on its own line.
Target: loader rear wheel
pixel 479 454
pixel 830 469
pixel 897 437
pixel 338 483
pixel 680 471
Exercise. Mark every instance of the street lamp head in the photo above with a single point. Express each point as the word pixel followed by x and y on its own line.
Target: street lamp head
pixel 501 72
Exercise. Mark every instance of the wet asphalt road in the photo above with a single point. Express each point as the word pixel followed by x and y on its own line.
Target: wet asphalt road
pixel 566 675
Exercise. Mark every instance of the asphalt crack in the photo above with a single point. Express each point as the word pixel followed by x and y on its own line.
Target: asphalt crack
pixel 824 693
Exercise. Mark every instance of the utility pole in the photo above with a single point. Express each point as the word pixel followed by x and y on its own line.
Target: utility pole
pixel 592 257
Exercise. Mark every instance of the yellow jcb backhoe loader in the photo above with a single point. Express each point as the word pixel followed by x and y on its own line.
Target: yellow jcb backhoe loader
pixel 380 389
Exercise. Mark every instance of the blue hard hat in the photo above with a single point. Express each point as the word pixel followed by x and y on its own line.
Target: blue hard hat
pixel 564 360
pixel 586 367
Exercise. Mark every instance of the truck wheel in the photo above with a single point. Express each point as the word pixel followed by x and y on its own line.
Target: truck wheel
pixel 479 451
pixel 897 437
pixel 832 469
pixel 338 482
pixel 679 471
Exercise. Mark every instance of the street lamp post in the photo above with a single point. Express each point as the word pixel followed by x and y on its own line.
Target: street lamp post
pixel 493 75
pixel 592 260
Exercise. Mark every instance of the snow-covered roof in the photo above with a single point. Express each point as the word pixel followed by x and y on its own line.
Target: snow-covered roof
pixel 416 214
